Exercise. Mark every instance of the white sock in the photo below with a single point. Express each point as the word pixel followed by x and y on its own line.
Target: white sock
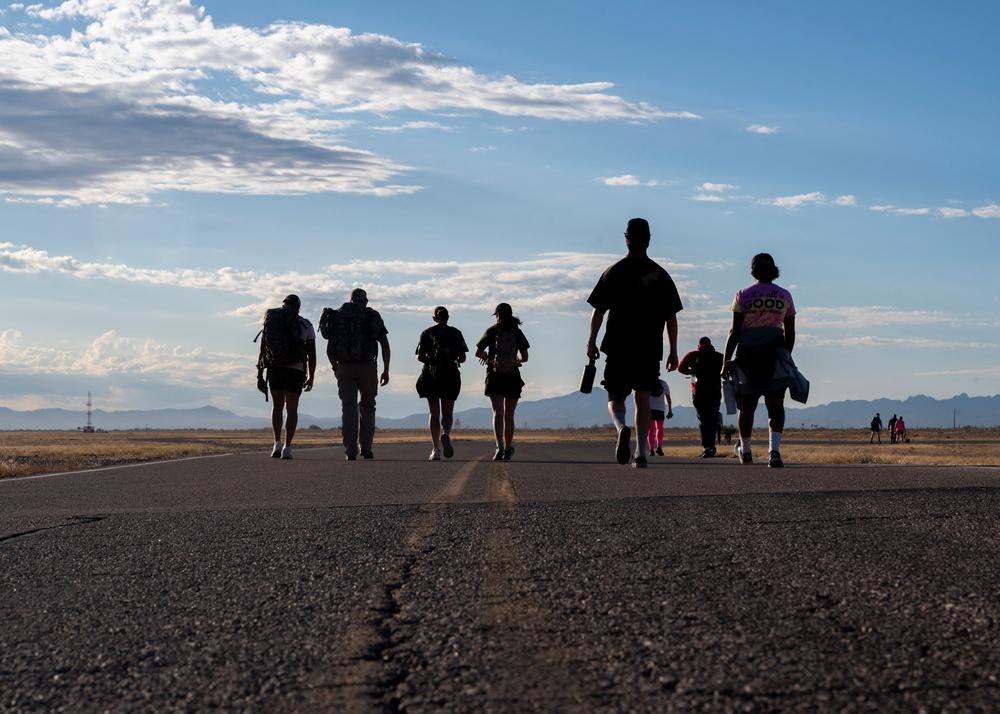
pixel 745 445
pixel 277 445
pixel 774 441
pixel 643 441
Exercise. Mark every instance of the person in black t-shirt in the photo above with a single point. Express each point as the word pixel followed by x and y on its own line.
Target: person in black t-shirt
pixel 634 293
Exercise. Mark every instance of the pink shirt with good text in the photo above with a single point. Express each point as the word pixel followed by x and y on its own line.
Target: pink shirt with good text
pixel 763 305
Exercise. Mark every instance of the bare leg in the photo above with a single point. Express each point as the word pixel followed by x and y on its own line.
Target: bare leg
pixel 434 421
pixel 508 422
pixel 497 401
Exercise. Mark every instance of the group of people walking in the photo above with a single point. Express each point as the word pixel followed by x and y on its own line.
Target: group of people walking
pixel 896 426
pixel 636 302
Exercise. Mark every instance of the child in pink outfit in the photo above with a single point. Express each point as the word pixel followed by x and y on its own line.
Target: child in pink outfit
pixel 660 407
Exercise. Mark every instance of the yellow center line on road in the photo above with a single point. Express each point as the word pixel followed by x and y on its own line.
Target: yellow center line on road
pixel 425 523
pixel 500 489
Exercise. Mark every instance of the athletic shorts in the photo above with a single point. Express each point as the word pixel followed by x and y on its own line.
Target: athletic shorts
pixel 657 414
pixel 507 385
pixel 286 379
pixel 623 376
pixel 444 384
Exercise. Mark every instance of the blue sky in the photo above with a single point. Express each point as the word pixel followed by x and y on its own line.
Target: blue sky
pixel 168 171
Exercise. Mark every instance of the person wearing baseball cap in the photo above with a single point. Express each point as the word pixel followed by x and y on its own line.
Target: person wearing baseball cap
pixel 635 293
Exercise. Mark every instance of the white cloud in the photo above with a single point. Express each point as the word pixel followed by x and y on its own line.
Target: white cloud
pixel 845 201
pixel 991 211
pixel 717 187
pixel 953 212
pixel 761 129
pixel 708 198
pixel 625 180
pixel 793 202
pixel 146 97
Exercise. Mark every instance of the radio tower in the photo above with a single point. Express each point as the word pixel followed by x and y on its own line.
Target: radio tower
pixel 89 429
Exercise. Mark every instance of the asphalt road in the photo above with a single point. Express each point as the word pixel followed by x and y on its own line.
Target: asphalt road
pixel 557 582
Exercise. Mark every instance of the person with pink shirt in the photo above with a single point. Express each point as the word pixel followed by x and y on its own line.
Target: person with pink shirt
pixel 763 326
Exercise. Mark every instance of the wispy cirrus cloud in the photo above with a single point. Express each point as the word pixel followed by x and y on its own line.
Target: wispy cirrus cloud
pixel 762 129
pixel 139 98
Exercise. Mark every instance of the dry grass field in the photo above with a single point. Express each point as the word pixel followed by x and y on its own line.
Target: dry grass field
pixel 31 452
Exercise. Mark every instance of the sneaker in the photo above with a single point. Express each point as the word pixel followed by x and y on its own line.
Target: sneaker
pixel 622 449
pixel 498 456
pixel 276 451
pixel 508 454
pixel 774 460
pixel 746 458
pixel 286 452
pixel 446 446
pixel 707 453
pixel 435 455
pixel 367 455
pixel 659 451
pixel 639 462
pixel 351 457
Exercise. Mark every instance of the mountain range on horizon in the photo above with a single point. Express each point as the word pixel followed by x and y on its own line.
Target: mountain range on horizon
pixel 574 410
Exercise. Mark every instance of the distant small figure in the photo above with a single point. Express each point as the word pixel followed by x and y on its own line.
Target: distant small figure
pixel 503 348
pixel 660 408
pixel 287 351
pixel 900 430
pixel 892 429
pixel 704 365
pixel 718 430
pixel 441 349
pixel 876 426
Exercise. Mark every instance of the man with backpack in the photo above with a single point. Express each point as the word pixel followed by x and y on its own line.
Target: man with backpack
pixel 355 333
pixel 640 299
pixel 287 350
pixel 876 427
pixel 704 365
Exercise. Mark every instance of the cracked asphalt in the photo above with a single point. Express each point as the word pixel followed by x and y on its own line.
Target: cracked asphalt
pixel 556 582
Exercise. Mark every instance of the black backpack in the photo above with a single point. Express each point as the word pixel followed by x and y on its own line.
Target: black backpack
pixel 504 355
pixel 351 331
pixel 282 338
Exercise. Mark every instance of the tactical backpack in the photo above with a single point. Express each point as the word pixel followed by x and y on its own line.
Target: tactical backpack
pixel 282 339
pixel 351 333
pixel 505 351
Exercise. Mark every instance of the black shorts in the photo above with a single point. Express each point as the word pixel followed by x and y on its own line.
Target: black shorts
pixel 507 385
pixel 657 414
pixel 286 379
pixel 623 376
pixel 440 384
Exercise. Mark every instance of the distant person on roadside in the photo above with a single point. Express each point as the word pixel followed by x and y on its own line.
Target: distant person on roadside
pixel 763 326
pixel 718 430
pixel 660 408
pixel 441 349
pixel 900 430
pixel 876 427
pixel 704 365
pixel 288 353
pixel 503 348
pixel 358 333
pixel 892 428
pixel 635 293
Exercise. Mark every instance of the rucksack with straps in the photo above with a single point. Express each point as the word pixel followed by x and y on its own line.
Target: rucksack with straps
pixel 504 355
pixel 351 333
pixel 282 339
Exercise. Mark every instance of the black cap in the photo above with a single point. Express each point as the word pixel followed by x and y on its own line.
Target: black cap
pixel 292 300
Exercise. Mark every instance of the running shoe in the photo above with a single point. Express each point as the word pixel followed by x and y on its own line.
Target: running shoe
pixel 659 451
pixel 745 458
pixel 707 453
pixel 622 449
pixel 509 454
pixel 446 446
pixel 286 452
pixel 276 451
pixel 367 455
pixel 498 456
pixel 774 461
pixel 639 462
pixel 435 455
